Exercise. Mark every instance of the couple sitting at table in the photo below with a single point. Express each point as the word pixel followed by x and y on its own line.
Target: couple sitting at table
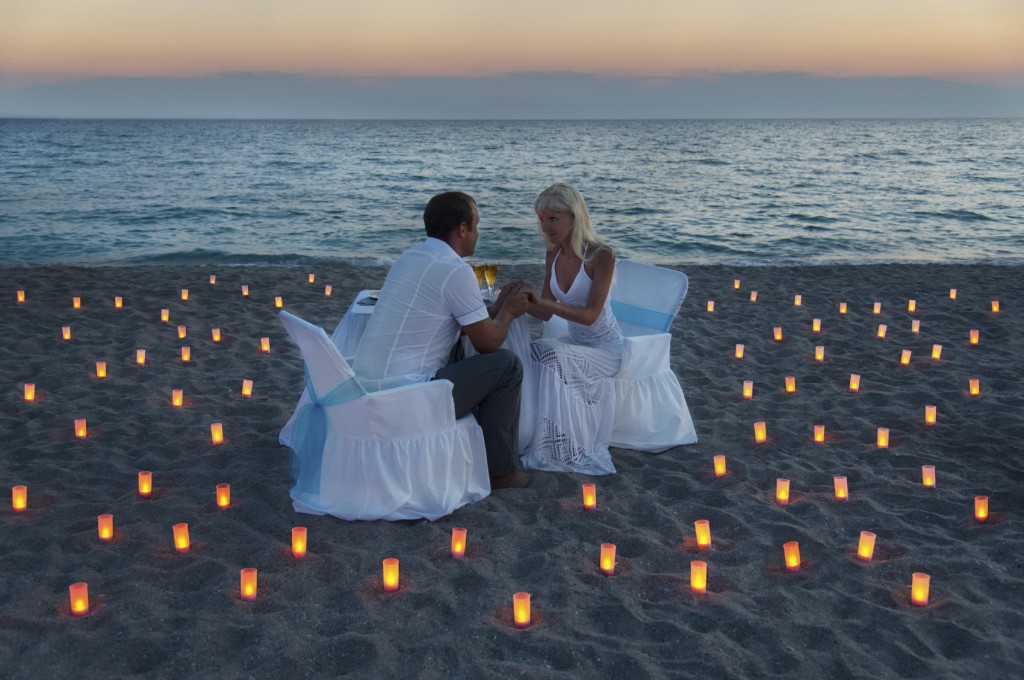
pixel 431 296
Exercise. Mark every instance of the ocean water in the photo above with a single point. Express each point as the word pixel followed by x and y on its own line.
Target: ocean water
pixel 680 192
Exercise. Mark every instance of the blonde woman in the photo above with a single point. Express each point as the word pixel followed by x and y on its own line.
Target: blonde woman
pixel 574 399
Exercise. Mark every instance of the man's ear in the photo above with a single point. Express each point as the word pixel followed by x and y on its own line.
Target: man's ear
pixel 463 229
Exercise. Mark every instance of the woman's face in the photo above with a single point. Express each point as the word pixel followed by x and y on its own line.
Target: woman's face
pixel 556 225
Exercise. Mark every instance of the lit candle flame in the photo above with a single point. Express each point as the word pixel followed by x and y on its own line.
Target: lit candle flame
pixel 213 279
pixel 952 293
pixel 247 388
pixel 184 293
pixel 974 387
pixel 19 497
pixel 521 609
pixel 76 303
pixel 105 528
pixel 223 495
pixel 791 551
pixel 81 431
pixel 819 434
pixel 181 539
pixel 790 383
pixel 819 353
pixel 312 278
pixel 842 308
pixel 739 351
pixel 65 332
pixel 607 559
pixel 974 336
pixel 782 491
pixel 720 469
pixel 699 576
pixel 936 352
pixel 215 332
pixel 249 585
pixel 145 483
pixel 981 508
pixel 816 326
pixel 79 595
pixel 299 542
pixel 165 315
pixel 182 332
pixel 118 302
pixel 245 291
pixel 878 308
pixel 883 438
pixel 391 574
pixel 929 414
pixel 217 433
pixel 21 296
pixel 915 326
pixel 702 531
pixel 177 398
pixel 905 358
pixel 995 306
pixel 854 382
pixel 186 354
pixel 736 284
pixel 777 333
pixel 589 496
pixel 101 369
pixel 753 296
pixel 842 492
pixel 278 302
pixel 711 305
pixel 265 344
pixel 327 290
pixel 30 391
pixel 140 357
pixel 760 432
pixel 928 475
pixel 912 305
pixel 748 389
pixel 920 583
pixel 866 546
pixel 881 330
pixel 458 548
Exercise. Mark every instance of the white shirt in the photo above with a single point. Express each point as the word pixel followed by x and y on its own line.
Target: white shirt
pixel 428 296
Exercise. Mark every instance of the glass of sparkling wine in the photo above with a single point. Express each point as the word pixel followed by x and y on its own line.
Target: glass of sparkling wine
pixel 491 274
pixel 478 270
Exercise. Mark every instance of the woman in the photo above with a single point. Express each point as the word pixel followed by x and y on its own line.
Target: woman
pixel 574 399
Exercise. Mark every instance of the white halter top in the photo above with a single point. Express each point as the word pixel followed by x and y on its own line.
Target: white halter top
pixel 605 330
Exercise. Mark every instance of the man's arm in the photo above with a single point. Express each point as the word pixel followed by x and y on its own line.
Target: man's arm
pixel 488 334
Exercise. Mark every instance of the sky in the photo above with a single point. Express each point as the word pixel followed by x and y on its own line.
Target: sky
pixel 353 58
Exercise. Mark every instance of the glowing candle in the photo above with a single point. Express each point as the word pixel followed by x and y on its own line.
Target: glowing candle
pixel 30 391
pixel 936 351
pixel 607 559
pixel 816 326
pixel 777 333
pixel 905 358
pixel 748 389
pixel 176 398
pixel 866 546
pixel 81 431
pixel 118 302
pixel 854 382
pixel 391 574
pixel 145 483
pixel 974 336
pixel 915 326
pixel 182 332
pixel 929 415
pixel 213 279
pixel 217 433
pixel 248 585
pixel 105 528
pixel 184 293
pixel 699 576
pixel 753 296
pixel 790 383
pixel 186 354
pixel 878 308
pixel 521 609
pixel 912 305
pixel 21 296
pixel 312 278
pixel 842 490
pixel 327 290
pixel 589 496
pixel 883 438
pixel 995 306
pixel 76 303
pixel 165 315
pixel 247 388
pixel 702 530
pixel 792 552
pixel 919 586
pixel 181 542
pixel 981 508
pixel 299 542
pixel 720 468
pixel 101 369
pixel 736 284
pixel 782 491
pixel 819 353
pixel 819 433
pixel 140 357
pixel 278 302
pixel 842 308
pixel 711 305
pixel 79 594
pixel 952 293
pixel 881 330
pixel 265 344
pixel 798 300
pixel 974 387
pixel 760 432
pixel 223 495
pixel 739 351
pixel 215 333
pixel 19 497
pixel 928 476
pixel 245 291
pixel 458 542
pixel 65 332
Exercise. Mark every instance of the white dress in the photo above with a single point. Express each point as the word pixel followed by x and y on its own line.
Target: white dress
pixel 575 400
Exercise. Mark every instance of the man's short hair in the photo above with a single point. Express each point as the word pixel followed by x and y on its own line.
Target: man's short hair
pixel 445 212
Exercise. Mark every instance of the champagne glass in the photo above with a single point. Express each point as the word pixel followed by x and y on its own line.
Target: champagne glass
pixel 491 274
pixel 478 270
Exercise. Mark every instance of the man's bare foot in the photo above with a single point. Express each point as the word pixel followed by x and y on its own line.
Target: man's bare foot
pixel 516 480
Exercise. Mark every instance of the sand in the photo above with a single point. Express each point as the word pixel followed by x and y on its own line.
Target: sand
pixel 163 614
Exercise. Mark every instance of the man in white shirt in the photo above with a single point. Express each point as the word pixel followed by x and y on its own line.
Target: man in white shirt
pixel 429 298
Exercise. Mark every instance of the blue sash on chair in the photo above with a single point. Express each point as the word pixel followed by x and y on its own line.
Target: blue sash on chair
pixel 310 432
pixel 639 316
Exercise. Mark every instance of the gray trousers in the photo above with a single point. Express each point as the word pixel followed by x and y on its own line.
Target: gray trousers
pixel 488 385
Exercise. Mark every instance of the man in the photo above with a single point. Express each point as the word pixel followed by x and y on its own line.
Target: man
pixel 429 297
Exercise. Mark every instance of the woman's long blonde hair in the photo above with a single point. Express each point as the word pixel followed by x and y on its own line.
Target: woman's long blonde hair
pixel 564 198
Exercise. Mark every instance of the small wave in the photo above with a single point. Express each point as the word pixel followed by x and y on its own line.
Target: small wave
pixel 221 257
pixel 962 215
pixel 817 219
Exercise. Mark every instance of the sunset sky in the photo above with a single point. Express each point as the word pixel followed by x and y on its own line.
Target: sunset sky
pixel 48 41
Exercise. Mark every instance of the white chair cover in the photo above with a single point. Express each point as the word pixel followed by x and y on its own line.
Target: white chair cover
pixel 395 454
pixel 349 331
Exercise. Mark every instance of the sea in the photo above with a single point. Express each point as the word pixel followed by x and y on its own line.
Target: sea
pixel 751 192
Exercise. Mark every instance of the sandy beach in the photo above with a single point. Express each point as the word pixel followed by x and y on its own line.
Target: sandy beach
pixel 158 613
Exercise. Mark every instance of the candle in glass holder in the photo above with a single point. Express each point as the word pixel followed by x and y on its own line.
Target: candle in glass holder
pixel 798 300
pixel 753 296
pixel 842 308
pixel 760 432
pixel 866 546
pixel 328 290
pixel 699 576
pixel 841 488
pixel 974 387
pixel 748 389
pixel 905 358
pixel 777 333
pixel 458 548
pixel 182 332
pixel 145 483
pixel 247 388
pixel 981 508
pixel 19 497
pixel 177 398
pixel 265 344
pixel 881 330
pixel 391 574
pixel 790 383
pixel 118 302
pixel 819 434
pixel 882 438
pixel 213 279
pixel 184 293
pixel 920 583
pixel 739 351
pixel 936 351
pixel 782 491
pixel 607 559
pixel 217 433
pixel 79 595
pixel 521 609
pixel 186 355
pixel 215 332
pixel 819 353
pixel 720 468
pixel 223 495
pixel 165 315
pixel 299 542
pixel 929 414
pixel 140 357
pixel 245 291
pixel 912 305
pixel 105 528
pixel 181 541
pixel 312 278
pixel 915 326
pixel 76 303
pixel 791 551
pixel 736 284
pixel 928 476
pixel 702 531
pixel 589 496
pixel 278 302
pixel 65 332
pixel 249 585
pixel 995 306
pixel 854 382
pixel 952 293
pixel 21 296
pixel 816 326
pixel 974 336
pixel 81 431
pixel 878 308
pixel 711 305
pixel 101 369
pixel 30 391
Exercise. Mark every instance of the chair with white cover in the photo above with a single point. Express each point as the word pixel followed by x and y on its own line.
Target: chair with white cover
pixel 650 409
pixel 394 454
